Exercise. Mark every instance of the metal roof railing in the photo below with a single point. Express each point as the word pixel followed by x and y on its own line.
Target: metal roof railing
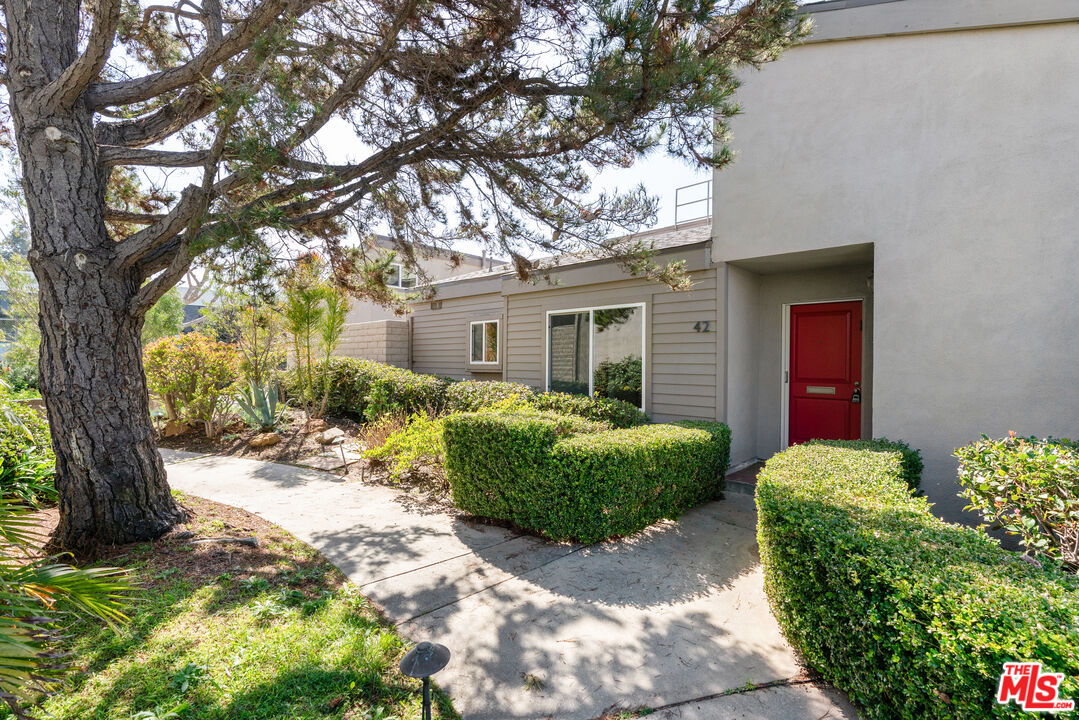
pixel 681 212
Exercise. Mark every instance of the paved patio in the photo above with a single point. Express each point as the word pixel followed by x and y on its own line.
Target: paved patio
pixel 537 629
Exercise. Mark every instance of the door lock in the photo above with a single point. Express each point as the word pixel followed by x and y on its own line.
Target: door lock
pixel 856 398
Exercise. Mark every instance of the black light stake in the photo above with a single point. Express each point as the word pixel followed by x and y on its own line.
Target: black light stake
pixel 423 661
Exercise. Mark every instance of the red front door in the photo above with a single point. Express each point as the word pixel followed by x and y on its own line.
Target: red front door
pixel 825 382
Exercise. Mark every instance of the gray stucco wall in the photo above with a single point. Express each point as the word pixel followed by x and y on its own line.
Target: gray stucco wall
pixel 954 155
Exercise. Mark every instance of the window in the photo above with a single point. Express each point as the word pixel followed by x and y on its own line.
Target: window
pixel 483 342
pixel 398 277
pixel 597 352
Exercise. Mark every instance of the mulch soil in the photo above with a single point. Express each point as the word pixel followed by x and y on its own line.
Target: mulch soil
pixel 180 553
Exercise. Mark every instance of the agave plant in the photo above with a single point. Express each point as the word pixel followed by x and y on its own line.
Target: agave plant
pixel 39 596
pixel 260 408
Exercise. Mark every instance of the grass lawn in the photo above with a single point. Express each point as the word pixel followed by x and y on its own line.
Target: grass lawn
pixel 230 631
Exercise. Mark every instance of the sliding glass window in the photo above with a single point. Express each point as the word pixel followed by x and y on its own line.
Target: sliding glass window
pixel 597 352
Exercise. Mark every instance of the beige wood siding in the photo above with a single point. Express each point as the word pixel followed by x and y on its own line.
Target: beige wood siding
pixel 680 362
pixel 440 337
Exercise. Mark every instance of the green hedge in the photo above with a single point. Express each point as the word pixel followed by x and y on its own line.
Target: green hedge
pixel 911 616
pixel 910 460
pixel 569 479
pixel 617 413
pixel 366 389
pixel 473 395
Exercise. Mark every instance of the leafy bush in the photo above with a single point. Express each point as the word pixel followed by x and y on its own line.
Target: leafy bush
pixel 618 413
pixel 368 390
pixel 569 478
pixel 252 322
pixel 27 463
pixel 912 616
pixel 1028 487
pixel 193 375
pixel 910 460
pixel 473 395
pixel 413 447
pixel 165 318
pixel 23 432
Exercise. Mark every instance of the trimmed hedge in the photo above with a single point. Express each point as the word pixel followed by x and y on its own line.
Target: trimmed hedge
pixel 569 479
pixel 911 616
pixel 366 389
pixel 473 395
pixel 910 460
pixel 617 413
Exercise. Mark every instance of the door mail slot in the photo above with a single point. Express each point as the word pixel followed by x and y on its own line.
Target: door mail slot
pixel 819 390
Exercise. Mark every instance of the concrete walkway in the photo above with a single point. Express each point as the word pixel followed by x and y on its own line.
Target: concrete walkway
pixel 538 629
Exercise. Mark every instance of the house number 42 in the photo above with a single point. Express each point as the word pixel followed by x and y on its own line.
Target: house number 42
pixel 703 326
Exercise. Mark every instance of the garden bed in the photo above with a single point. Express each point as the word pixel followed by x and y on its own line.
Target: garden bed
pixel 226 631
pixel 298 440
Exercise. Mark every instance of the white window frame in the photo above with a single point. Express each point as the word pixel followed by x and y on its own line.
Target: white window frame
pixel 498 342
pixel 401 274
pixel 591 345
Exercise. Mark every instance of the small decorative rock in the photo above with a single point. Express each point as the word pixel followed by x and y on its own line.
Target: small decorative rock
pixel 328 436
pixel 316 425
pixel 265 439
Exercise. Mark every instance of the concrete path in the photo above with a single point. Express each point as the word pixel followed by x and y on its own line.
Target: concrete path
pixel 539 629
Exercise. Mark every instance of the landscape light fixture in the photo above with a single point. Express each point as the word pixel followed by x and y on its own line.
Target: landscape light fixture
pixel 422 662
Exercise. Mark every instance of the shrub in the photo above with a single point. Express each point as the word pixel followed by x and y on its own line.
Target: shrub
pixel 23 432
pixel 27 463
pixel 414 447
pixel 472 395
pixel 912 616
pixel 365 389
pixel 910 461
pixel 569 478
pixel 618 413
pixel 193 375
pixel 1028 487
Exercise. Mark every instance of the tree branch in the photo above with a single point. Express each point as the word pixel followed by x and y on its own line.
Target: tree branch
pixel 122 155
pixel 192 105
pixel 136 246
pixel 65 89
pixel 202 65
pixel 125 216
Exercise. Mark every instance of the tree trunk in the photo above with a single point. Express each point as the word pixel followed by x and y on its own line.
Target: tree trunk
pixel 110 477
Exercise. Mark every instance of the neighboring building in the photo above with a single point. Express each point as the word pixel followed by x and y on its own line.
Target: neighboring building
pixel 373 331
pixel 895 252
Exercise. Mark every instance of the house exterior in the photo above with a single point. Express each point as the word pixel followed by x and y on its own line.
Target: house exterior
pixel 894 253
pixel 373 331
